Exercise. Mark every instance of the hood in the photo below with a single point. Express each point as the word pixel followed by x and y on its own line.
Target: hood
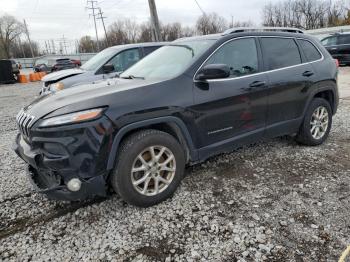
pixel 56 76
pixel 105 93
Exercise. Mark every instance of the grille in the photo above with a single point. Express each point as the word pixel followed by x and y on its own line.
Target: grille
pixel 24 122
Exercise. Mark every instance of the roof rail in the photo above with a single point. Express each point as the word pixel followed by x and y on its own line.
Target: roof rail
pixel 262 29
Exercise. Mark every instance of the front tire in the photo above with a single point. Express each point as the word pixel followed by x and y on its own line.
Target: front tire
pixel 150 167
pixel 317 123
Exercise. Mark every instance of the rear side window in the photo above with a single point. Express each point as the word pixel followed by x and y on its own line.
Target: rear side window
pixel 280 52
pixel 344 39
pixel 332 40
pixel 310 51
pixel 239 55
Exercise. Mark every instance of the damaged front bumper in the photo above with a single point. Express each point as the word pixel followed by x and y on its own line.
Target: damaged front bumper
pixel 56 157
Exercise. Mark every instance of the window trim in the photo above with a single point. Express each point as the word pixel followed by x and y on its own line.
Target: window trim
pixel 293 39
pixel 302 50
pixel 258 55
pixel 260 73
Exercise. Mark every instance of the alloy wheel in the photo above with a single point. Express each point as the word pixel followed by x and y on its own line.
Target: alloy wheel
pixel 153 170
pixel 319 122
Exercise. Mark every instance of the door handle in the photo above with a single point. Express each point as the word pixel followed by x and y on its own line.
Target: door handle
pixel 257 84
pixel 308 73
pixel 254 85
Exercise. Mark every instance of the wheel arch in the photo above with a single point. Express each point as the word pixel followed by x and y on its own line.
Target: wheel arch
pixel 328 93
pixel 171 125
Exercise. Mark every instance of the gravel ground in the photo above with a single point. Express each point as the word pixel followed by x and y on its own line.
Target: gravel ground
pixel 275 201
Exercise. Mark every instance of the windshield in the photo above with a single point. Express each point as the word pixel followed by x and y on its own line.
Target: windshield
pixel 168 61
pixel 98 60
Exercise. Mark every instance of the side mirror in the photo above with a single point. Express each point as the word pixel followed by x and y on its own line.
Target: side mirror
pixel 108 68
pixel 213 71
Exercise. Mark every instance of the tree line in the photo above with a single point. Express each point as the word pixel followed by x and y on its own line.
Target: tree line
pixel 127 31
pixel 11 44
pixel 307 14
pixel 304 14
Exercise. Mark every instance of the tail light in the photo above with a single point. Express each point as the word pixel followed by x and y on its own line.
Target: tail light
pixel 336 62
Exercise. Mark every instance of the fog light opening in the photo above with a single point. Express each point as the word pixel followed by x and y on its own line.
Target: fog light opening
pixel 74 185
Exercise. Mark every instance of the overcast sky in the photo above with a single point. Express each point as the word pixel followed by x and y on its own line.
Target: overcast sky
pixel 51 19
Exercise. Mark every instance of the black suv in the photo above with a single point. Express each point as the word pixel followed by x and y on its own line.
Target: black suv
pixel 187 101
pixel 338 45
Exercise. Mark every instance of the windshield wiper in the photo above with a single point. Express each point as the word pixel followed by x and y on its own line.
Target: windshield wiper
pixel 184 46
pixel 133 77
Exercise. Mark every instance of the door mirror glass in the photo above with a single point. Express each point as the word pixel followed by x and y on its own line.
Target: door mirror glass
pixel 108 68
pixel 213 71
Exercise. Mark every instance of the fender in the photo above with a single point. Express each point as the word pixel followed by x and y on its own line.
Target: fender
pixel 167 119
pixel 319 90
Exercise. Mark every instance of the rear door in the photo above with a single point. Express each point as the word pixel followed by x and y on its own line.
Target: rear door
pixel 290 78
pixel 233 108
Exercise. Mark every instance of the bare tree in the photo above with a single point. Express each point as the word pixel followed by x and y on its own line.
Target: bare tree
pixel 22 49
pixel 117 34
pixel 132 30
pixel 145 32
pixel 307 14
pixel 211 24
pixel 10 29
pixel 170 32
pixel 242 24
pixel 86 45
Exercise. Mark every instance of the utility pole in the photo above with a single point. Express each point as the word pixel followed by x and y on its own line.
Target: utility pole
pixel 27 33
pixel 103 23
pixel 63 44
pixel 21 46
pixel 155 21
pixel 93 2
pixel 53 47
pixel 47 50
pixel 61 50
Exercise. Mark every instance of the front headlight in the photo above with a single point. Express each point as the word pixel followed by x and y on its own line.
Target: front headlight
pixel 57 87
pixel 72 118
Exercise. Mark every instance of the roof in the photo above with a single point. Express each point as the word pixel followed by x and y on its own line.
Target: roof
pixel 263 29
pixel 127 46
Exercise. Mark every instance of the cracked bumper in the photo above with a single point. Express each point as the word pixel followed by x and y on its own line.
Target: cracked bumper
pixel 75 157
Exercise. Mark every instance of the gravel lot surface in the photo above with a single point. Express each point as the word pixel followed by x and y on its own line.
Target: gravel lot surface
pixel 275 201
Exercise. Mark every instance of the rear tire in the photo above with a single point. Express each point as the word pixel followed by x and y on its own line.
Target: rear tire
pixel 156 159
pixel 317 123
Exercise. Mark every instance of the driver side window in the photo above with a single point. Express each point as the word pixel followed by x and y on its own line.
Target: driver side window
pixel 239 55
pixel 125 59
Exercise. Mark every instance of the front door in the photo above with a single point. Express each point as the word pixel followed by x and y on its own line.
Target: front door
pixel 230 110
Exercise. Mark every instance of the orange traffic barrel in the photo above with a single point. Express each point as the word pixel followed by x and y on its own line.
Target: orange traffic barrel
pixel 33 77
pixel 22 79
pixel 38 76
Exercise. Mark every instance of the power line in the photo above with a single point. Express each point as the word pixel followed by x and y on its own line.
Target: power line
pixel 200 7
